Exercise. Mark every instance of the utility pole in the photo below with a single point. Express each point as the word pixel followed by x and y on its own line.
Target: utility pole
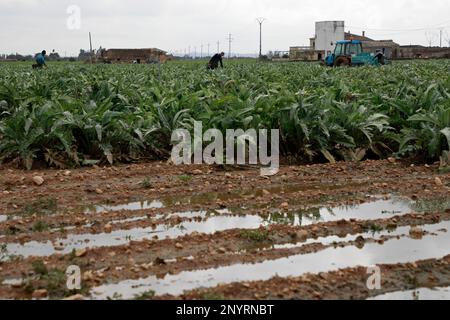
pixel 218 46
pixel 195 53
pixel 230 40
pixel 208 50
pixel 440 38
pixel 201 51
pixel 90 46
pixel 189 52
pixel 260 22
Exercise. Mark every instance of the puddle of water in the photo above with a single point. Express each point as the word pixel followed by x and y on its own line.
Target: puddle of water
pixel 213 224
pixel 121 237
pixel 12 282
pixel 134 206
pixel 200 199
pixel 419 294
pixel 183 215
pixel 381 209
pixel 394 251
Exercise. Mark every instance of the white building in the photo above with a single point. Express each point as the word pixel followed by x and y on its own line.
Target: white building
pixel 327 34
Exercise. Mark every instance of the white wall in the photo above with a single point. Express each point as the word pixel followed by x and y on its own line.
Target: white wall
pixel 328 33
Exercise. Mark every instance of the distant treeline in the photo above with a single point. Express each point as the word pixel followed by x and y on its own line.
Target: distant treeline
pixel 53 56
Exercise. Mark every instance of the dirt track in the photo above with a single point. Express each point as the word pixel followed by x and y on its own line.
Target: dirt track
pixel 159 231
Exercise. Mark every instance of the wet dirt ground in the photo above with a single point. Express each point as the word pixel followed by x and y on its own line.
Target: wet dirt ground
pixel 158 231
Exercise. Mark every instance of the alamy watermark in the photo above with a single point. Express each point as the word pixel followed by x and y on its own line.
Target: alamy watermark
pixel 73 274
pixel 374 281
pixel 238 147
pixel 74 19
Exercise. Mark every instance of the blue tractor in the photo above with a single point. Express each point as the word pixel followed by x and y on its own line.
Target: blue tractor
pixel 350 53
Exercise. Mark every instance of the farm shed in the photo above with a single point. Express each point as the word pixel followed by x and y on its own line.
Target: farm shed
pixel 305 54
pixel 370 45
pixel 421 52
pixel 150 55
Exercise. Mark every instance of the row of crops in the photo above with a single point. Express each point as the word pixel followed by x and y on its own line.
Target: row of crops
pixel 73 114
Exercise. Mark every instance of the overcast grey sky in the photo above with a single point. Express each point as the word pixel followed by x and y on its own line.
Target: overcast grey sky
pixel 29 26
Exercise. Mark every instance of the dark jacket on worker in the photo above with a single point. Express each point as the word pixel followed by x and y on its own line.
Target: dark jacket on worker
pixel 215 60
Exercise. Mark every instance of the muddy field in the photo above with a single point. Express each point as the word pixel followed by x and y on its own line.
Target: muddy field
pixel 156 231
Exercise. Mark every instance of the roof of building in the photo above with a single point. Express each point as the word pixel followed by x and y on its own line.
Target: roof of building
pixel 349 41
pixel 136 49
pixel 349 36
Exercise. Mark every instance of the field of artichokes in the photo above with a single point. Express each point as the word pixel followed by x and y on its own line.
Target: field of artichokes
pixel 72 114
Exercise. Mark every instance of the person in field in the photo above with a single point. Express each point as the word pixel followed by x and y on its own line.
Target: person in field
pixel 215 60
pixel 40 60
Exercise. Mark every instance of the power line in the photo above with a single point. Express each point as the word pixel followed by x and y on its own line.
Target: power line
pixel 260 21
pixel 437 26
pixel 230 40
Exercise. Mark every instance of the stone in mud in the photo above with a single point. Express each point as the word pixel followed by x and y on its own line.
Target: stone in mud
pixel 81 253
pixel 302 236
pixel 108 228
pixel 416 233
pixel 40 294
pixel 98 191
pixel 438 182
pixel 39 181
pixel 392 160
pixel 284 205
pixel 197 172
pixel 77 297
pixel 58 246
pixel 360 242
pixel 88 276
pixel 222 250
pixel 179 246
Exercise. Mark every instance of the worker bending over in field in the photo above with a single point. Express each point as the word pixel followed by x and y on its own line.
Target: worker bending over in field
pixel 40 60
pixel 215 60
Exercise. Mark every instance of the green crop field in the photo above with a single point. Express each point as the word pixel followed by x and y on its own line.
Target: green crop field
pixel 72 114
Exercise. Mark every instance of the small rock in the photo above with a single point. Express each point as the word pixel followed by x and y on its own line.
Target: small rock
pixel 416 233
pixel 39 294
pixel 39 181
pixel 222 250
pixel 179 246
pixel 438 182
pixel 284 205
pixel 108 228
pixel 67 173
pixel 58 247
pixel 302 235
pixel 392 160
pixel 81 253
pixel 266 193
pixel 77 297
pixel 98 191
pixel 88 276
pixel 159 262
pixel 197 172
pixel 360 242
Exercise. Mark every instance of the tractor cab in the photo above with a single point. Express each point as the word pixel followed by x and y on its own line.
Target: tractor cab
pixel 350 53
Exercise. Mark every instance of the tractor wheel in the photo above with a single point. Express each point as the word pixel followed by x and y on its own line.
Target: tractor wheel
pixel 342 62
